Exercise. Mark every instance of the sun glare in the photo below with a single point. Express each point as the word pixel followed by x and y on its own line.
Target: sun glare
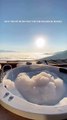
pixel 40 42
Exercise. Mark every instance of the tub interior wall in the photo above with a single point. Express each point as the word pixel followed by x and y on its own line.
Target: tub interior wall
pixel 31 70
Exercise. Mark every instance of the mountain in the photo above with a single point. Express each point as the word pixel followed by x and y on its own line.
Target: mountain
pixel 58 55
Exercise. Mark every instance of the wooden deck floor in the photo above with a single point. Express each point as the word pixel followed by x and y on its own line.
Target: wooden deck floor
pixel 6 115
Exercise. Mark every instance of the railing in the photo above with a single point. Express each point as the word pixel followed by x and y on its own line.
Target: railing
pixel 5 68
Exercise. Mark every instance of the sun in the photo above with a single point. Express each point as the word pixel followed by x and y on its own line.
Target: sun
pixel 40 42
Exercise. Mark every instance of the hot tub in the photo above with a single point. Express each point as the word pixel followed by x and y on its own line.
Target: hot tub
pixel 16 103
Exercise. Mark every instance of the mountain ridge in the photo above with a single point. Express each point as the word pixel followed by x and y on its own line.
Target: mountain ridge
pixel 58 55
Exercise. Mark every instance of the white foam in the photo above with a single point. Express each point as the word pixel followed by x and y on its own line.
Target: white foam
pixel 41 88
pixel 8 83
pixel 63 101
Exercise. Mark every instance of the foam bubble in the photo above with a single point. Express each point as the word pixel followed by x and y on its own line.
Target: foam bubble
pixel 8 83
pixel 41 88
pixel 63 101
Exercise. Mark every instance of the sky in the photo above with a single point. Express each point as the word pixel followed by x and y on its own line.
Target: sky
pixel 22 36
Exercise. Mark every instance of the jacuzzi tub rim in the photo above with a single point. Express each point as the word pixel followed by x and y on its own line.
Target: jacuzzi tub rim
pixel 41 65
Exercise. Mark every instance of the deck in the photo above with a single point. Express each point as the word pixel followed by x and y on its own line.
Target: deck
pixel 6 115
